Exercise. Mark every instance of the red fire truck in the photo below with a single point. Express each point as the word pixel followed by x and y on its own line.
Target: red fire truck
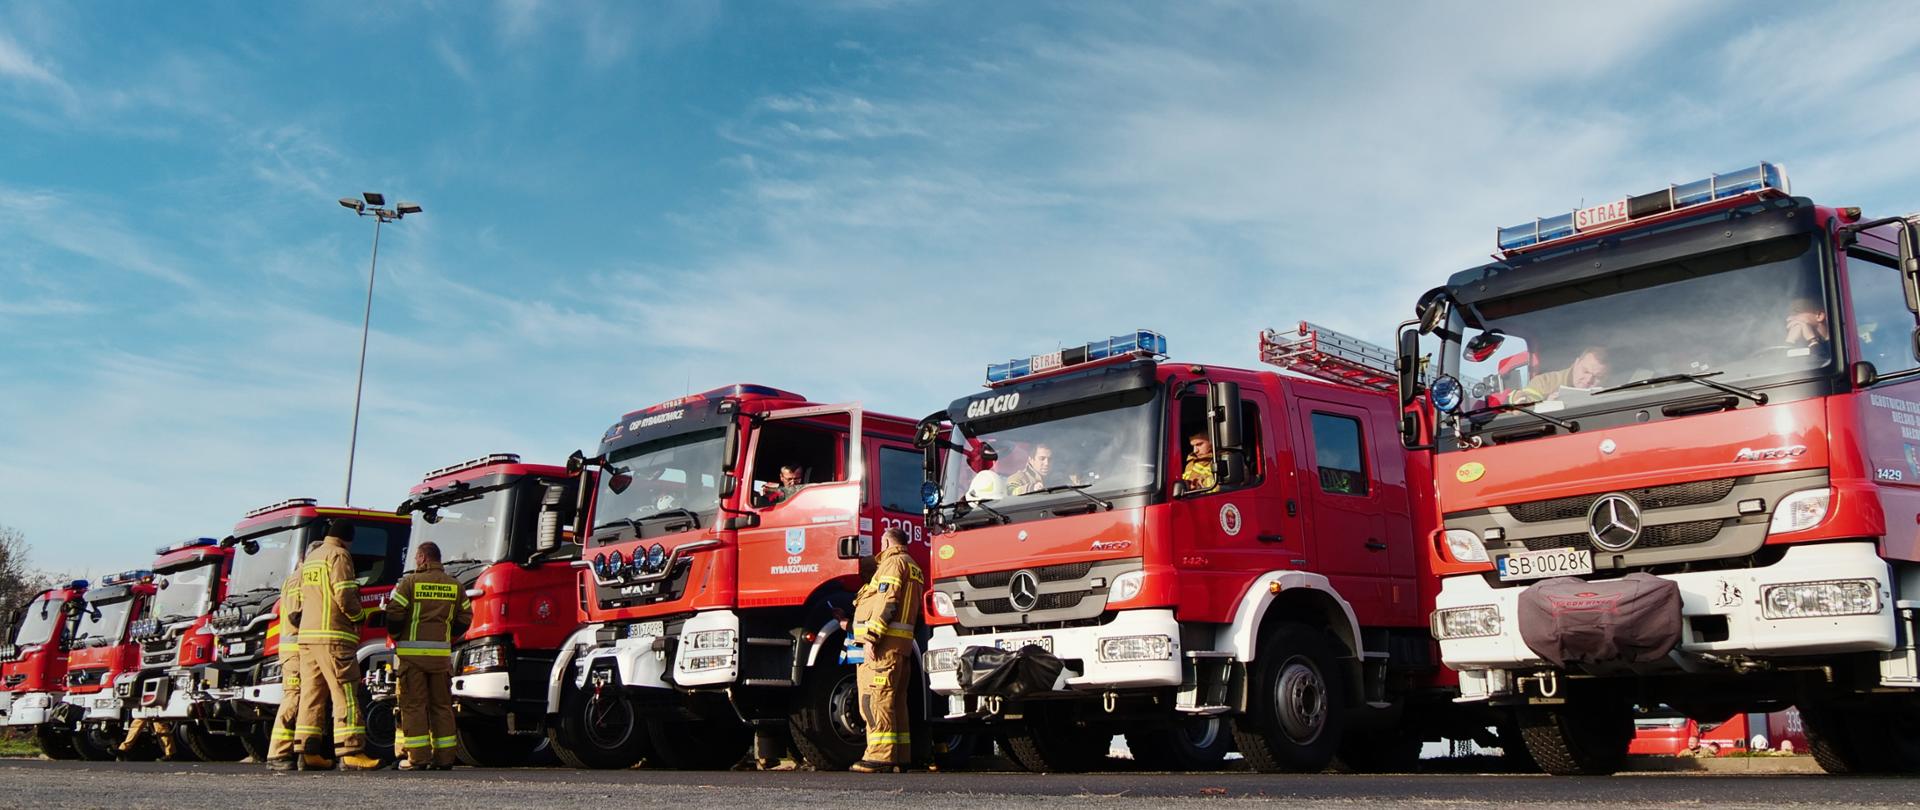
pixel 504 529
pixel 243 685
pixel 1097 570
pixel 726 542
pixel 33 665
pixel 176 647
pixel 100 652
pixel 1678 445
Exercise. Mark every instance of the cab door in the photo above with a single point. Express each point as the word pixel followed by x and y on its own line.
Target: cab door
pixel 1346 513
pixel 793 544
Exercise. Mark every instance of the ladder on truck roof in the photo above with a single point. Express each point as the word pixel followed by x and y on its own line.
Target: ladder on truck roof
pixel 1325 354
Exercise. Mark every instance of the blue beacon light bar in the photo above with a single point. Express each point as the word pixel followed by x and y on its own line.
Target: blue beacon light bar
pixel 1673 198
pixel 1140 342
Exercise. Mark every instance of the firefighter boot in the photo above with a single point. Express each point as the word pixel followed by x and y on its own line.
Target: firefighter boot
pixel 359 761
pixel 316 762
pixel 282 765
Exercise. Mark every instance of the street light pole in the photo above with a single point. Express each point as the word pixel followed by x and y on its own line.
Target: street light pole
pixel 369 206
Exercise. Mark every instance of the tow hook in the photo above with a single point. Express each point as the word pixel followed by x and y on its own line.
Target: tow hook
pixel 993 705
pixel 1546 686
pixel 1108 700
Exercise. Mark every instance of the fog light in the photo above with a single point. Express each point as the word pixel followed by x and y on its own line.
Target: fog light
pixel 1136 648
pixel 702 663
pixel 941 604
pixel 482 658
pixel 1465 546
pixel 1801 510
pixel 942 660
pixel 711 640
pixel 1467 622
pixel 1127 586
pixel 1801 600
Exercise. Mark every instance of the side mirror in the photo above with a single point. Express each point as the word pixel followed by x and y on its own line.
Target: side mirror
pixel 1863 372
pixel 1408 366
pixel 731 450
pixel 547 533
pixel 618 480
pixel 250 547
pixel 1227 434
pixel 576 462
pixel 430 514
pixel 728 485
pixel 1432 309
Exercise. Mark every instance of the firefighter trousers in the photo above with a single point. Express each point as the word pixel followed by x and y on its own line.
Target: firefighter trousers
pixel 882 678
pixel 160 729
pixel 426 713
pixel 280 738
pixel 330 678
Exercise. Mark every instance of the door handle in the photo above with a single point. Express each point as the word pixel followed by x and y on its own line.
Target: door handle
pixel 1376 545
pixel 1271 538
pixel 853 547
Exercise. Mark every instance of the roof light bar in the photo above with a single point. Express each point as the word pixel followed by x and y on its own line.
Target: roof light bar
pixel 186 544
pixel 483 461
pixel 286 504
pixel 78 585
pixel 1756 180
pixel 1138 343
pixel 124 577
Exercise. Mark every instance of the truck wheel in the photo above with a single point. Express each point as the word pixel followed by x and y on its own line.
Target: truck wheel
pixel 484 742
pixel 253 739
pixel 1513 745
pixel 1387 750
pixel 382 719
pixel 1190 744
pixel 699 745
pixel 1587 738
pixel 208 746
pixel 1852 741
pixel 93 744
pixel 1049 741
pixel 1296 706
pixel 954 752
pixel 598 730
pixel 54 743
pixel 827 727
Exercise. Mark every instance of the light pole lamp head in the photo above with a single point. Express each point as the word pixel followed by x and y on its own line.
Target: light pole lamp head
pixel 406 208
pixel 375 198
pixel 355 205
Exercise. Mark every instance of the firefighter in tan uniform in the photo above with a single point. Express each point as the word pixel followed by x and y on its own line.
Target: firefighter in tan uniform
pixel 281 755
pixel 330 613
pixel 427 607
pixel 884 615
pixel 142 726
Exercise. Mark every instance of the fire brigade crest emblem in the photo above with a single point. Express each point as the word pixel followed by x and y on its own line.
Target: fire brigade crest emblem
pixel 796 540
pixel 1230 519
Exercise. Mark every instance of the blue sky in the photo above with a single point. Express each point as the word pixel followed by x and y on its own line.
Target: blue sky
pixel 855 200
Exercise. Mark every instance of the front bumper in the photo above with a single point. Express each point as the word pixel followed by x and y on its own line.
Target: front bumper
pixel 184 695
pixel 642 662
pixel 1720 610
pixel 31 709
pixel 1079 649
pixel 101 706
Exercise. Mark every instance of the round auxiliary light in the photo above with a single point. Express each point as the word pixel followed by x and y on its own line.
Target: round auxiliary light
pixel 656 558
pixel 930 494
pixel 615 564
pixel 1446 394
pixel 600 564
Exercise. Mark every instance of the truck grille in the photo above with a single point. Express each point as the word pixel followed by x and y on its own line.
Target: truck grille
pixel 86 677
pixel 1660 497
pixel 1067 592
pixel 1051 573
pixel 1047 601
pixel 1667 536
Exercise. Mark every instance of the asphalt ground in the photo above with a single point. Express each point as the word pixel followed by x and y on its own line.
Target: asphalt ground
pixel 120 785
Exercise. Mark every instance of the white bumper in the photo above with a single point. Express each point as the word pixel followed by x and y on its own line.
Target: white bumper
pixel 30 709
pixel 1080 647
pixel 103 705
pixel 637 662
pixel 483 686
pixel 268 694
pixel 1732 593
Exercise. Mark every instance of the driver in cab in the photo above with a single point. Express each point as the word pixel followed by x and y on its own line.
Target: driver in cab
pixel 1033 477
pixel 792 478
pixel 1585 374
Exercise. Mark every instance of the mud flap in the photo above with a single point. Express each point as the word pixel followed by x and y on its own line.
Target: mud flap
pixel 1634 619
pixel 1000 673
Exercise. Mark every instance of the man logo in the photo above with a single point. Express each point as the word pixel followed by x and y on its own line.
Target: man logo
pixel 993 405
pixel 1023 591
pixel 1614 522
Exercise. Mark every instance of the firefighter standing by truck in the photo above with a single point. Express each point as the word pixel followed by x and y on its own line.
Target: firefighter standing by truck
pixel 426 609
pixel 330 612
pixel 281 753
pixel 884 616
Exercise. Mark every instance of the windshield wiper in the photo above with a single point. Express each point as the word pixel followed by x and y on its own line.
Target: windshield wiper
pixel 676 512
pixel 629 522
pixel 1757 397
pixel 1508 407
pixel 1080 490
pixel 1002 516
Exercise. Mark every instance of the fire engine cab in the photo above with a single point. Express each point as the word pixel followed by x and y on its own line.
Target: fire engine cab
pixel 177 644
pixel 1198 557
pixel 33 665
pixel 99 654
pixel 1678 445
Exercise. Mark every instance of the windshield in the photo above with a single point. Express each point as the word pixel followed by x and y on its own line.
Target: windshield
pixel 39 620
pixel 267 562
pixel 668 475
pixel 183 593
pixel 103 622
pixel 473 529
pixel 1741 316
pixel 1104 446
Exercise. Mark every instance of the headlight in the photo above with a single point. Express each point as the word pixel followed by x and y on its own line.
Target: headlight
pixel 1801 510
pixel 711 640
pixel 942 605
pixel 482 657
pixel 270 673
pixel 1136 648
pixel 1467 622
pixel 942 660
pixel 1800 600
pixel 1127 586
pixel 1465 546
pixel 701 663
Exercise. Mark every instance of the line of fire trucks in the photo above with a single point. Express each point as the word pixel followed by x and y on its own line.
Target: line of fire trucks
pixel 1659 454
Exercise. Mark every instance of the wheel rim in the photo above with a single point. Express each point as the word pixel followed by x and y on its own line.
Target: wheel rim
pixel 610 721
pixel 843 710
pixel 1300 700
pixel 1203 734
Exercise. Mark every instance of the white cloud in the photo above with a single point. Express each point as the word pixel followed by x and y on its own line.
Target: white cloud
pixel 16 63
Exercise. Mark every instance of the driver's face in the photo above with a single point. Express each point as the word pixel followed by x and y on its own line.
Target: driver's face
pixel 1201 447
pixel 1587 371
pixel 1043 460
pixel 789 478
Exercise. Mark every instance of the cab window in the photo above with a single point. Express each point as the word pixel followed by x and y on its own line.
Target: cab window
pixel 1881 319
pixel 1193 423
pixel 1340 453
pixel 792 456
pixel 900 477
pixel 377 551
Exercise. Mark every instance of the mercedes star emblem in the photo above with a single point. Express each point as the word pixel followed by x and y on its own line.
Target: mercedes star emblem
pixel 1614 522
pixel 1024 590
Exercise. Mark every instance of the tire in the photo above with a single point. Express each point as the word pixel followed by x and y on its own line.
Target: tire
pixel 1387 750
pixel 827 728
pixel 1296 707
pixel 954 752
pixel 54 743
pixel 382 720
pixel 1190 744
pixel 1858 740
pixel 699 745
pixel 1589 738
pixel 1048 741
pixel 1513 747
pixel 484 742
pixel 92 744
pixel 208 746
pixel 606 733
pixel 253 739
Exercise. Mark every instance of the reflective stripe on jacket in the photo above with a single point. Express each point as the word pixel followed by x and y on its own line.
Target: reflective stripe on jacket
pixel 330 608
pixel 889 605
pixel 425 607
pixel 288 626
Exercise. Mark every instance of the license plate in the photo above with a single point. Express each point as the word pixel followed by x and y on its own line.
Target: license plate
pixel 1553 562
pixel 654 629
pixel 106 703
pixel 1013 644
